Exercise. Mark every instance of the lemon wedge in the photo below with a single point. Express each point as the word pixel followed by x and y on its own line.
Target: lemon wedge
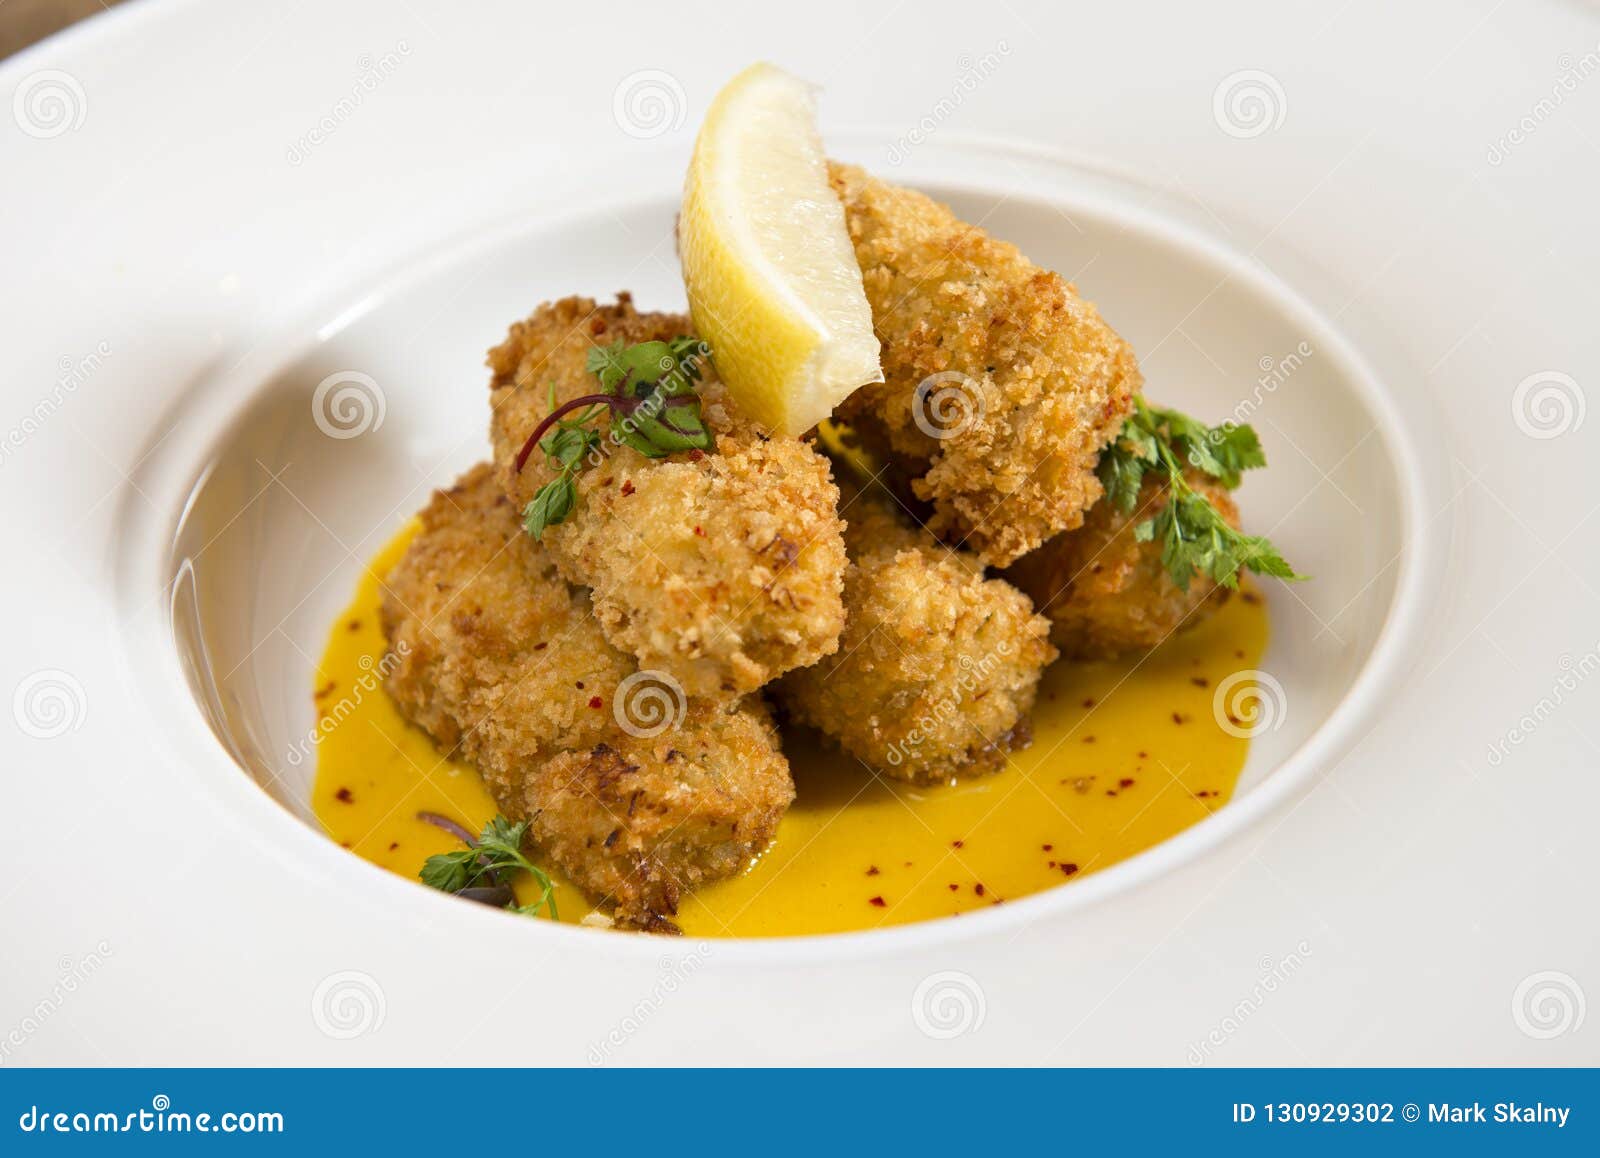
pixel 772 278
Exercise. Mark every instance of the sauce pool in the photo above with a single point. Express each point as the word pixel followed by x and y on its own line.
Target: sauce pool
pixel 1125 754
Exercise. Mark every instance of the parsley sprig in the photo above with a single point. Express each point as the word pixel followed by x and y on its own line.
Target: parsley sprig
pixel 1193 534
pixel 648 388
pixel 475 872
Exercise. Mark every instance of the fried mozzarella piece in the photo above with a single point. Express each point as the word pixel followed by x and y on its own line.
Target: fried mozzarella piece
pixel 722 569
pixel 1001 385
pixel 634 791
pixel 1106 593
pixel 937 668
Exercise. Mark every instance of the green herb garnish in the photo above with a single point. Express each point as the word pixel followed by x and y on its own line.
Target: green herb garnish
pixel 1193 534
pixel 476 870
pixel 649 392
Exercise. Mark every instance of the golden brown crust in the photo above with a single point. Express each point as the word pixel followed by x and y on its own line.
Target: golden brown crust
pixel 724 570
pixel 1106 593
pixel 938 667
pixel 502 662
pixel 1032 381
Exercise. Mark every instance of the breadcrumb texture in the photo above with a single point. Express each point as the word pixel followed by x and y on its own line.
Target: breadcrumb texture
pixel 1032 381
pixel 938 667
pixel 724 570
pixel 501 660
pixel 1106 593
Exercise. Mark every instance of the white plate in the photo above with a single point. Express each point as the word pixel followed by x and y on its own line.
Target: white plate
pixel 217 212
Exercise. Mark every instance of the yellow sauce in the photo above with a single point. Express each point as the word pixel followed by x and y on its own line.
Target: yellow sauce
pixel 1125 755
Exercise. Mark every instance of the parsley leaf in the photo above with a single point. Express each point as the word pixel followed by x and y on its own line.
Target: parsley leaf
pixel 1192 533
pixel 498 850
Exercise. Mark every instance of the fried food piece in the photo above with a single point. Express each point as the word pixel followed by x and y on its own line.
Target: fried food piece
pixel 938 666
pixel 634 791
pixel 1001 385
pixel 724 570
pixel 1105 592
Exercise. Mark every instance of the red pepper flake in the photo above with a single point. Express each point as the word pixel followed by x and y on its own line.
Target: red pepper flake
pixel 957 843
pixel 540 646
pixel 879 902
pixel 1144 755
pixel 1088 739
pixel 1049 864
pixel 1178 717
pixel 1111 791
pixel 978 888
pixel 627 487
pixel 1200 681
pixel 344 796
pixel 1238 653
pixel 393 844
pixel 1125 782
pixel 954 886
pixel 1069 868
pixel 696 455
pixel 872 870
pixel 327 690
pixel 1048 847
pixel 596 702
pixel 1088 701
pixel 699 530
pixel 579 685
pixel 353 625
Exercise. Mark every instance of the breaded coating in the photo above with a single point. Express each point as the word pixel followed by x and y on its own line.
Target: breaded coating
pixel 1105 592
pixel 724 570
pixel 501 660
pixel 1001 384
pixel 938 666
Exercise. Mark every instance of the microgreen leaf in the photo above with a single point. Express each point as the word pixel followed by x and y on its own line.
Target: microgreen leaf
pixel 498 851
pixel 649 392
